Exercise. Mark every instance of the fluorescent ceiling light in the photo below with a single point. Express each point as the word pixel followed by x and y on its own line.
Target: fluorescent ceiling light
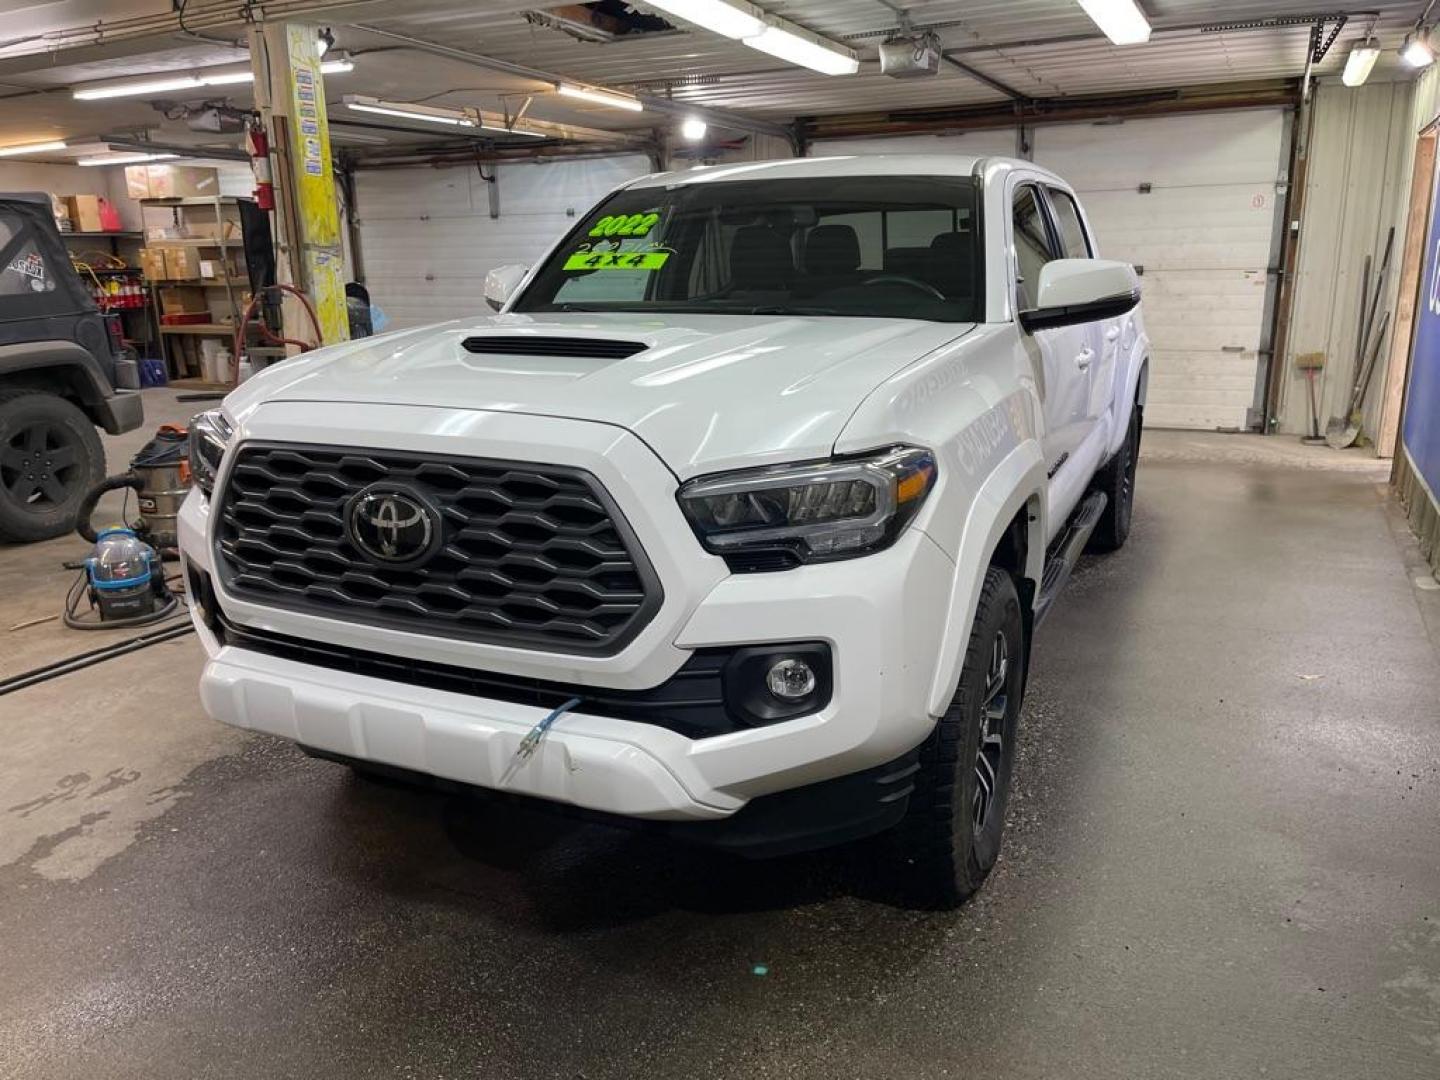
pixel 693 128
pixel 124 158
pixel 1121 20
pixel 426 113
pixel 807 51
pixel 31 148
pixel 226 78
pixel 600 97
pixel 1417 51
pixel 1360 62
pixel 717 16
pixel 132 88
pixel 223 76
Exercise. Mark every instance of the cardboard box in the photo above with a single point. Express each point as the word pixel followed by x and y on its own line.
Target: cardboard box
pixel 137 181
pixel 181 181
pixel 152 264
pixel 93 213
pixel 184 300
pixel 215 230
pixel 182 264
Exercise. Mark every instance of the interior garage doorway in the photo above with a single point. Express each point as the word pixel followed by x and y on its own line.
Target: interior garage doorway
pixel 1191 201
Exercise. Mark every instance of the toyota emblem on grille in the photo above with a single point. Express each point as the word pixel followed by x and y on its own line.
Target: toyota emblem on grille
pixel 392 525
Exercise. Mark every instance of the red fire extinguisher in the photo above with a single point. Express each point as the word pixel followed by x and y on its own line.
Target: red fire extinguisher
pixel 257 145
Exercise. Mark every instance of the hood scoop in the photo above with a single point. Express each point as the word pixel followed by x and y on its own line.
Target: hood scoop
pixel 546 345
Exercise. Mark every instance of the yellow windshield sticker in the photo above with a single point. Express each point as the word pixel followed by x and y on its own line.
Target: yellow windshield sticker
pixel 617 260
pixel 632 225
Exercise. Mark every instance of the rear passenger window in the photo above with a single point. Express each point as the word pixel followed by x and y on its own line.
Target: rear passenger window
pixel 1032 245
pixel 1073 242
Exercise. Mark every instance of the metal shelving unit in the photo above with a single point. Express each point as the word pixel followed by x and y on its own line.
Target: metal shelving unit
pixel 149 315
pixel 223 245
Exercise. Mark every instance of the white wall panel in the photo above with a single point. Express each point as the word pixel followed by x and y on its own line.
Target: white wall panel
pixel 428 240
pixel 1203 234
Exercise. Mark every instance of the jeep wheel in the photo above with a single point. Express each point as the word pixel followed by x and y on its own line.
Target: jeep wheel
pixel 50 456
pixel 1117 481
pixel 950 836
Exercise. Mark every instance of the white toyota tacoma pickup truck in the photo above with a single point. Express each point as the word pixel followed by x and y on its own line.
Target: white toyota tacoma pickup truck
pixel 735 520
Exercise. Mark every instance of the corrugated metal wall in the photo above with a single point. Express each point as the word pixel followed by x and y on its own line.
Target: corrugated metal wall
pixel 1356 186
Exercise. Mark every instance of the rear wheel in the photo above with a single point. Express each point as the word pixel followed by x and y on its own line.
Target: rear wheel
pixel 950 836
pixel 50 457
pixel 1117 481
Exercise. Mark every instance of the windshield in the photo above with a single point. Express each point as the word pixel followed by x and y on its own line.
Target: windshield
pixel 881 246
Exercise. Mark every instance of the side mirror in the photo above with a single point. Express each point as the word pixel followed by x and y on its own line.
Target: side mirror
pixel 1081 290
pixel 501 283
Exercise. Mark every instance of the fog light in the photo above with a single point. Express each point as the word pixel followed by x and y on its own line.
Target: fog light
pixel 790 680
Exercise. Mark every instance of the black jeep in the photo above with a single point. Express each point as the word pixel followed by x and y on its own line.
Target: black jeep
pixel 57 377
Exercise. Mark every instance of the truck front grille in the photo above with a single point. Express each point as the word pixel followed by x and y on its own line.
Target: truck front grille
pixel 534 556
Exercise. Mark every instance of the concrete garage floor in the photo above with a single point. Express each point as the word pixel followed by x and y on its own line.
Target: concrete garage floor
pixel 1221 860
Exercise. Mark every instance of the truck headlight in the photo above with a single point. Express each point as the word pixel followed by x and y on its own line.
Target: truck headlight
pixel 210 434
pixel 769 519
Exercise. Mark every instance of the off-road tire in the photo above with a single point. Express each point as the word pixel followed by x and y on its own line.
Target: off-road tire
pixel 944 856
pixel 50 457
pixel 1117 481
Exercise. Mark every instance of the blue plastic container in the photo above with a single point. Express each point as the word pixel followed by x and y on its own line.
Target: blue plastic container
pixel 152 372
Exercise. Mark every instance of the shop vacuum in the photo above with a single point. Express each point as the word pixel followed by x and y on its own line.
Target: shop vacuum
pixel 124 576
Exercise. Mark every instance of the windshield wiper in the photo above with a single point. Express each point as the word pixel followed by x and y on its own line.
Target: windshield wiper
pixel 787 309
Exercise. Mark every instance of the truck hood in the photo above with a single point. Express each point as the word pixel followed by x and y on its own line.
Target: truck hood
pixel 706 392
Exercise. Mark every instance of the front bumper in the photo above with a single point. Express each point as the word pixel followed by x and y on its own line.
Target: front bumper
pixel 881 616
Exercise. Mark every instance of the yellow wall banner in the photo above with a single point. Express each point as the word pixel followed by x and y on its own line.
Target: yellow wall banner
pixel 315 183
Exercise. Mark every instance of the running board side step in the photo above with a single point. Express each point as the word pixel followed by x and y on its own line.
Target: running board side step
pixel 1066 550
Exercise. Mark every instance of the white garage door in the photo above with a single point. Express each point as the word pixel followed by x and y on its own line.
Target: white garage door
pixel 427 238
pixel 999 141
pixel 1202 232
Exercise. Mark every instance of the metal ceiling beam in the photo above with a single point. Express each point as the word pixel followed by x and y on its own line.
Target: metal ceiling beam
pixel 980 77
pixel 720 118
pixel 1006 114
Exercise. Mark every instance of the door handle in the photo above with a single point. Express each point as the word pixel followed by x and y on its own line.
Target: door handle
pixel 1085 358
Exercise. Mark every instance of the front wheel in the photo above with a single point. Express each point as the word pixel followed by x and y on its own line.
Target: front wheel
pixel 950 836
pixel 50 457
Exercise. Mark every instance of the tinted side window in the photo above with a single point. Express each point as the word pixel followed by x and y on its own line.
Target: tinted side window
pixel 1032 245
pixel 23 269
pixel 1073 240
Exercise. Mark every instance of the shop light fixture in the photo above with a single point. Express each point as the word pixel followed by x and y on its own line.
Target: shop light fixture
pixel 1121 20
pixel 429 114
pixel 1417 50
pixel 132 88
pixel 1360 62
pixel 339 64
pixel 600 97
pixel 806 50
pixel 31 148
pixel 124 158
pixel 693 129
pixel 226 78
pixel 770 34
pixel 727 20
